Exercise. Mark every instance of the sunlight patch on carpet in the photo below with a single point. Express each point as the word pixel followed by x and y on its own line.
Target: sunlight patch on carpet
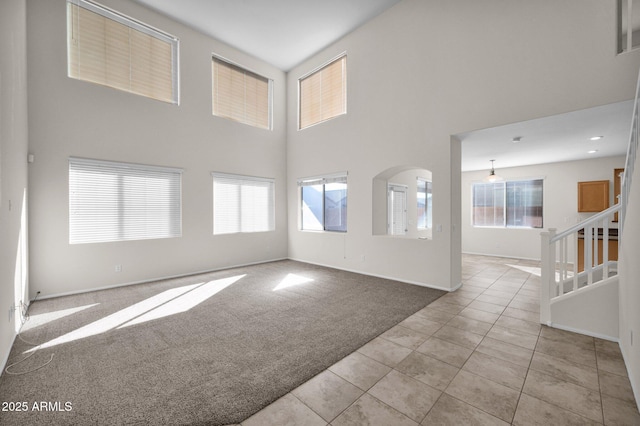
pixel 185 302
pixel 169 302
pixel 292 280
pixel 41 319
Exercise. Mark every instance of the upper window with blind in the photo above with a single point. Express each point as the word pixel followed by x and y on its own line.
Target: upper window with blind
pixel 323 93
pixel 242 204
pixel 111 49
pixel 510 204
pixel 240 95
pixel 111 201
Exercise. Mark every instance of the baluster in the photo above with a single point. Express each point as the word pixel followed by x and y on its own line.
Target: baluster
pixel 547 288
pixel 566 259
pixel 575 262
pixel 561 260
pixel 588 253
pixel 605 247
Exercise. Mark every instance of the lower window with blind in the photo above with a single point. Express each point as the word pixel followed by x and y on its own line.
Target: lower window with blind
pixel 113 201
pixel 242 204
pixel 509 204
pixel 324 203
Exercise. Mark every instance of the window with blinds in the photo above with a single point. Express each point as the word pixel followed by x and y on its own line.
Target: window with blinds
pixel 323 93
pixel 242 204
pixel 324 203
pixel 110 201
pixel 108 48
pixel 510 204
pixel 240 95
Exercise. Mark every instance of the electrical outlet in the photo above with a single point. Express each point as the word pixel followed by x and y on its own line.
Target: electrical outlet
pixel 631 336
pixel 118 268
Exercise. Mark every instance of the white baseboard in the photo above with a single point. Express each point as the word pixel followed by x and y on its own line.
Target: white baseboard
pixel 418 283
pixel 6 357
pixel 187 274
pixel 585 332
pixel 500 255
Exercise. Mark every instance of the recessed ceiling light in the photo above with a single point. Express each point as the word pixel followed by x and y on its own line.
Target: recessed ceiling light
pixel 596 138
pixel 516 139
pixel 593 151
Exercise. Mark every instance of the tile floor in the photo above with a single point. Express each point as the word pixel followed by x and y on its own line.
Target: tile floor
pixel 474 356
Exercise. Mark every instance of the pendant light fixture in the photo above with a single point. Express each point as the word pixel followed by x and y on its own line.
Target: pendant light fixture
pixel 493 177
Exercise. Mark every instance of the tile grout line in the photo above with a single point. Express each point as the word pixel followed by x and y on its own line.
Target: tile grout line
pixel 595 351
pixel 460 304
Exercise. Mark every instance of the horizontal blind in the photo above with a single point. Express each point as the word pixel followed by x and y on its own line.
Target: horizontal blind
pixel 108 48
pixel 110 201
pixel 323 94
pixel 321 180
pixel 240 95
pixel 242 204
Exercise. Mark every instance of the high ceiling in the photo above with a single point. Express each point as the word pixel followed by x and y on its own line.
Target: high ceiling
pixel 286 32
pixel 280 32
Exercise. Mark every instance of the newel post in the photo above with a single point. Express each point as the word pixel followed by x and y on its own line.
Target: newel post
pixel 547 276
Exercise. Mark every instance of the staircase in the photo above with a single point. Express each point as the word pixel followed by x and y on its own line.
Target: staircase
pixel 581 294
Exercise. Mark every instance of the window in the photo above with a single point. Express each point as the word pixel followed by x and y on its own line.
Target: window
pixel 424 203
pixel 511 204
pixel 628 25
pixel 111 201
pixel 242 204
pixel 323 93
pixel 397 205
pixel 108 48
pixel 240 95
pixel 324 203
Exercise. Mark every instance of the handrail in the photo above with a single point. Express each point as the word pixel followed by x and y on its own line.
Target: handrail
pixel 559 269
pixel 571 259
pixel 632 152
pixel 595 218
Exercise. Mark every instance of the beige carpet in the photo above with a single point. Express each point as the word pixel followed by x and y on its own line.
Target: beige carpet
pixel 210 349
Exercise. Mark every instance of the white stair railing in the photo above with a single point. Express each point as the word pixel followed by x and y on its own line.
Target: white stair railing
pixel 632 152
pixel 561 273
pixel 578 257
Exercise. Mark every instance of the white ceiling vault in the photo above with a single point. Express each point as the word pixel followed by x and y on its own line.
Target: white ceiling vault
pixel 286 32
pixel 280 32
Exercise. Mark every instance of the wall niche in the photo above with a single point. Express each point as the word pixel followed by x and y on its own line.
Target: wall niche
pixel 402 202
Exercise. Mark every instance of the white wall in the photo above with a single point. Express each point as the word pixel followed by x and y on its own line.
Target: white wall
pixel 13 166
pixel 560 205
pixel 423 71
pixel 68 117
pixel 594 312
pixel 629 289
